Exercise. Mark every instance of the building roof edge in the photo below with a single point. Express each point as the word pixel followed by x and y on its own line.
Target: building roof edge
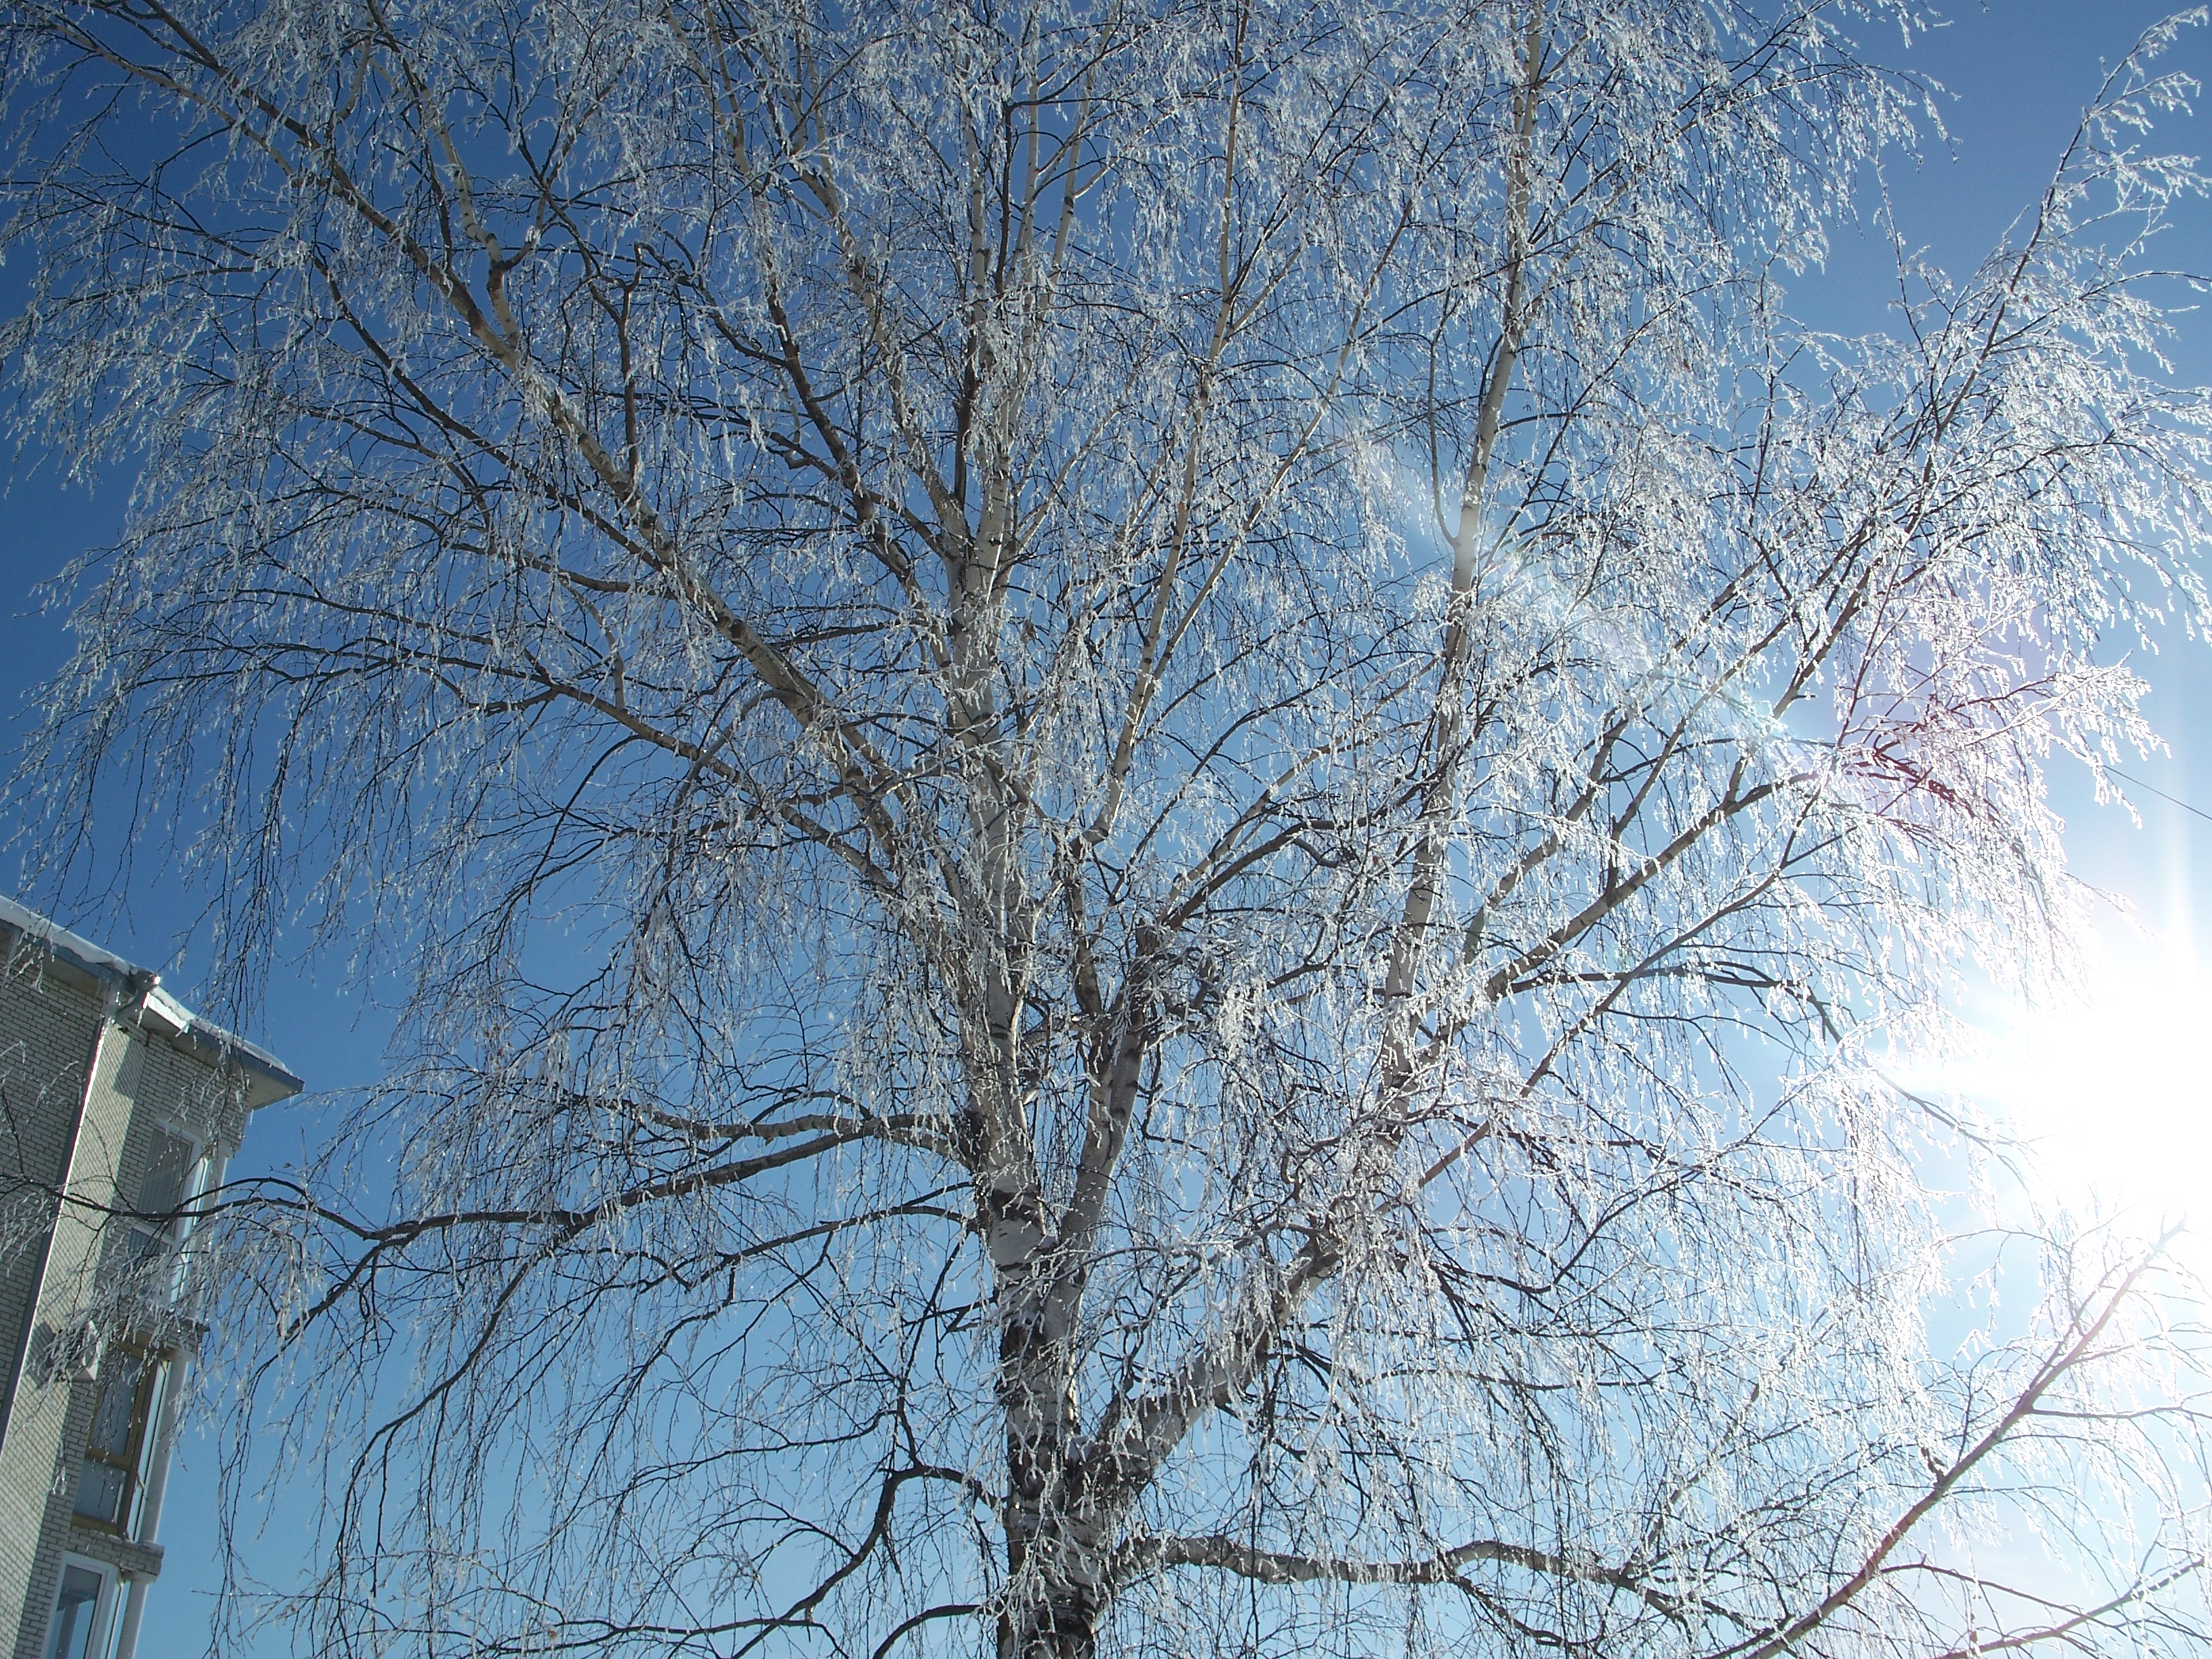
pixel 128 977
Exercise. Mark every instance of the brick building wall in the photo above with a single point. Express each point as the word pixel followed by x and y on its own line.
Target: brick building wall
pixel 50 1018
pixel 88 1266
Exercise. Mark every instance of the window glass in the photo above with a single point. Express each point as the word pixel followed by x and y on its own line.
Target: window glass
pixel 167 1184
pixel 73 1614
pixel 118 1391
pixel 175 1170
pixel 100 1489
pixel 108 1477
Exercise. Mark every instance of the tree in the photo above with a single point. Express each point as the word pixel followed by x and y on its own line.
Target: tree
pixel 1157 778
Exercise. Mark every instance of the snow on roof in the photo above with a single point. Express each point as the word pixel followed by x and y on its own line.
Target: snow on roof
pixel 143 982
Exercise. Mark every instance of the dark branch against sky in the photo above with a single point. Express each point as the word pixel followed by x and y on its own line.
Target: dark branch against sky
pixel 2017 74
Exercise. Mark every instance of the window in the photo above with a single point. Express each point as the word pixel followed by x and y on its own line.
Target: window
pixel 171 1182
pixel 77 1611
pixel 175 1173
pixel 117 1450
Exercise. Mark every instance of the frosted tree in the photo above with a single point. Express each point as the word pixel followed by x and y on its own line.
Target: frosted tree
pixel 1158 778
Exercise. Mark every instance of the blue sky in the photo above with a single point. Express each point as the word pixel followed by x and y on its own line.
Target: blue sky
pixel 2017 73
pixel 2016 76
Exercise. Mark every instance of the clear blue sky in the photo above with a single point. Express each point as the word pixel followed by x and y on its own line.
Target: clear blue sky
pixel 2017 72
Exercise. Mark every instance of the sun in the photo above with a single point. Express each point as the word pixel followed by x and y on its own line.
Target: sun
pixel 2114 1089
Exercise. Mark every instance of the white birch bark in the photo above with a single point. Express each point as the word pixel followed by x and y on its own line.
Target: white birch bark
pixel 1152 784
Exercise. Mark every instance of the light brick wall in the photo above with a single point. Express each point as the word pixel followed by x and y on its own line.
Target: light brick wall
pixel 70 1261
pixel 142 1083
pixel 48 1018
pixel 47 1022
pixel 47 1420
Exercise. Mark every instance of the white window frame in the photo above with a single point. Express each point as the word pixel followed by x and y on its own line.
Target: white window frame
pixel 103 1606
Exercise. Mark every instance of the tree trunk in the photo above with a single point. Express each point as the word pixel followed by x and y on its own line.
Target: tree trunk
pixel 1058 1593
pixel 1055 1545
pixel 1063 1624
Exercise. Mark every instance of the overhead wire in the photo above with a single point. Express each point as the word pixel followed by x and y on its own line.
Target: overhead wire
pixel 2174 799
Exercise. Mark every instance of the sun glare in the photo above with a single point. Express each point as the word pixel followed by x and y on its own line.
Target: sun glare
pixel 2115 1090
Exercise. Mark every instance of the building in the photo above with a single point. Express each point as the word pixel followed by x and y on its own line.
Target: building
pixel 119 1109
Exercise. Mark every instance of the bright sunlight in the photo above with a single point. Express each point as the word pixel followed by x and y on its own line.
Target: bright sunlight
pixel 2115 1089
